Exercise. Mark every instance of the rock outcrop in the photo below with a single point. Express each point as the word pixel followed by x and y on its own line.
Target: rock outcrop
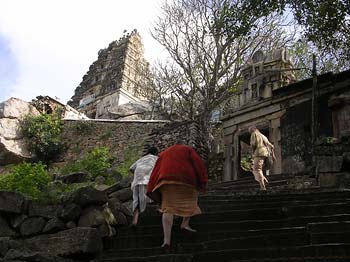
pixel 12 144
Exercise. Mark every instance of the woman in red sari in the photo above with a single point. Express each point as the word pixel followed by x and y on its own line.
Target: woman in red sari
pixel 177 178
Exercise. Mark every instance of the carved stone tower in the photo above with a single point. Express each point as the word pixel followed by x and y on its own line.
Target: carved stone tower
pixel 116 78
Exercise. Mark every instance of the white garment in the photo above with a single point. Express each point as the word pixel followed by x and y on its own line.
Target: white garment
pixel 142 170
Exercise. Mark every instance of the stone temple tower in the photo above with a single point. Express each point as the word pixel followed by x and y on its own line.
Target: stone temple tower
pixel 117 77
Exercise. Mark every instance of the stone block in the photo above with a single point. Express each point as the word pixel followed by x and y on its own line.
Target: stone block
pixel 86 196
pixel 79 240
pixel 47 211
pixel 32 226
pixel 329 163
pixel 5 230
pixel 11 202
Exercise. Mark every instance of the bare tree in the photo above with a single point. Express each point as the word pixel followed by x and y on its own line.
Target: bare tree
pixel 206 61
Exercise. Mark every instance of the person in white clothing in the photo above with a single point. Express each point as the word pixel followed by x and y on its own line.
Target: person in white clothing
pixel 142 170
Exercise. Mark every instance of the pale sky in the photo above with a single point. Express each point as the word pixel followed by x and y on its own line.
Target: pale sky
pixel 46 46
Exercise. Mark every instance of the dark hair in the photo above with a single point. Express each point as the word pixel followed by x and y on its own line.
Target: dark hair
pixel 152 150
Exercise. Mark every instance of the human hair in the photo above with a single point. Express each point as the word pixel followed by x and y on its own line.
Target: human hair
pixel 152 150
pixel 252 128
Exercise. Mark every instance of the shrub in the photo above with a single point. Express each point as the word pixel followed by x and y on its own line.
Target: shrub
pixel 96 162
pixel 43 135
pixel 246 162
pixel 130 156
pixel 29 179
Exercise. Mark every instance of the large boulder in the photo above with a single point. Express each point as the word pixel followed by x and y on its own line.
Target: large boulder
pixel 16 108
pixel 86 196
pixel 11 202
pixel 79 240
pixel 41 210
pixel 12 145
pixel 5 230
pixel 32 226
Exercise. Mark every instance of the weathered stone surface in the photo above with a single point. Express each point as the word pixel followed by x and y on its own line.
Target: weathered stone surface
pixel 14 255
pixel 70 212
pixel 54 225
pixel 77 177
pixel 329 163
pixel 13 151
pixel 5 229
pixel 4 245
pixel 16 108
pixel 11 202
pixel 47 211
pixel 12 146
pixel 71 225
pixel 32 226
pixel 92 216
pixel 86 196
pixel 126 181
pixel 17 220
pixel 115 205
pixel 9 128
pixel 113 188
pixel 123 194
pixel 78 240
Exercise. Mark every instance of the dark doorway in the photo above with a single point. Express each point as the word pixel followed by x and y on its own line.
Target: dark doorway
pixel 245 152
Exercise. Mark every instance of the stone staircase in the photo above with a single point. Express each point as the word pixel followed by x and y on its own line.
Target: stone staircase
pixel 242 224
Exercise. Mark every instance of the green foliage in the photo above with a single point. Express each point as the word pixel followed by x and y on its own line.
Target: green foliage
pixel 246 162
pixel 29 179
pixel 95 162
pixel 43 135
pixel 130 156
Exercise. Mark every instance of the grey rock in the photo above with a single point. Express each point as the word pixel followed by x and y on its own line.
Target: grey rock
pixel 11 202
pixel 92 216
pixel 76 177
pixel 17 220
pixel 4 245
pixel 329 163
pixel 79 240
pixel 100 180
pixel 70 212
pixel 113 188
pixel 54 225
pixel 16 108
pixel 71 225
pixel 5 230
pixel 32 226
pixel 123 194
pixel 47 211
pixel 116 206
pixel 86 196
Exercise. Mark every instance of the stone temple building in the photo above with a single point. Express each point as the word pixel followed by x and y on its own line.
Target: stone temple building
pixel 281 108
pixel 117 77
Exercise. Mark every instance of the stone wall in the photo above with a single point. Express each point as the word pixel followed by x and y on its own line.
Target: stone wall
pixel 119 136
pixel 122 136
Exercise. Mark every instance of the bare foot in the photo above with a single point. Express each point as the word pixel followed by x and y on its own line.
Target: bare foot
pixel 188 229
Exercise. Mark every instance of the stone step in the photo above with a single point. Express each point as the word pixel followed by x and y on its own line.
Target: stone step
pixel 309 194
pixel 262 213
pixel 288 253
pixel 252 224
pixel 154 240
pixel 299 259
pixel 269 241
pixel 322 252
pixel 250 179
pixel 152 258
pixel 330 237
pixel 332 226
